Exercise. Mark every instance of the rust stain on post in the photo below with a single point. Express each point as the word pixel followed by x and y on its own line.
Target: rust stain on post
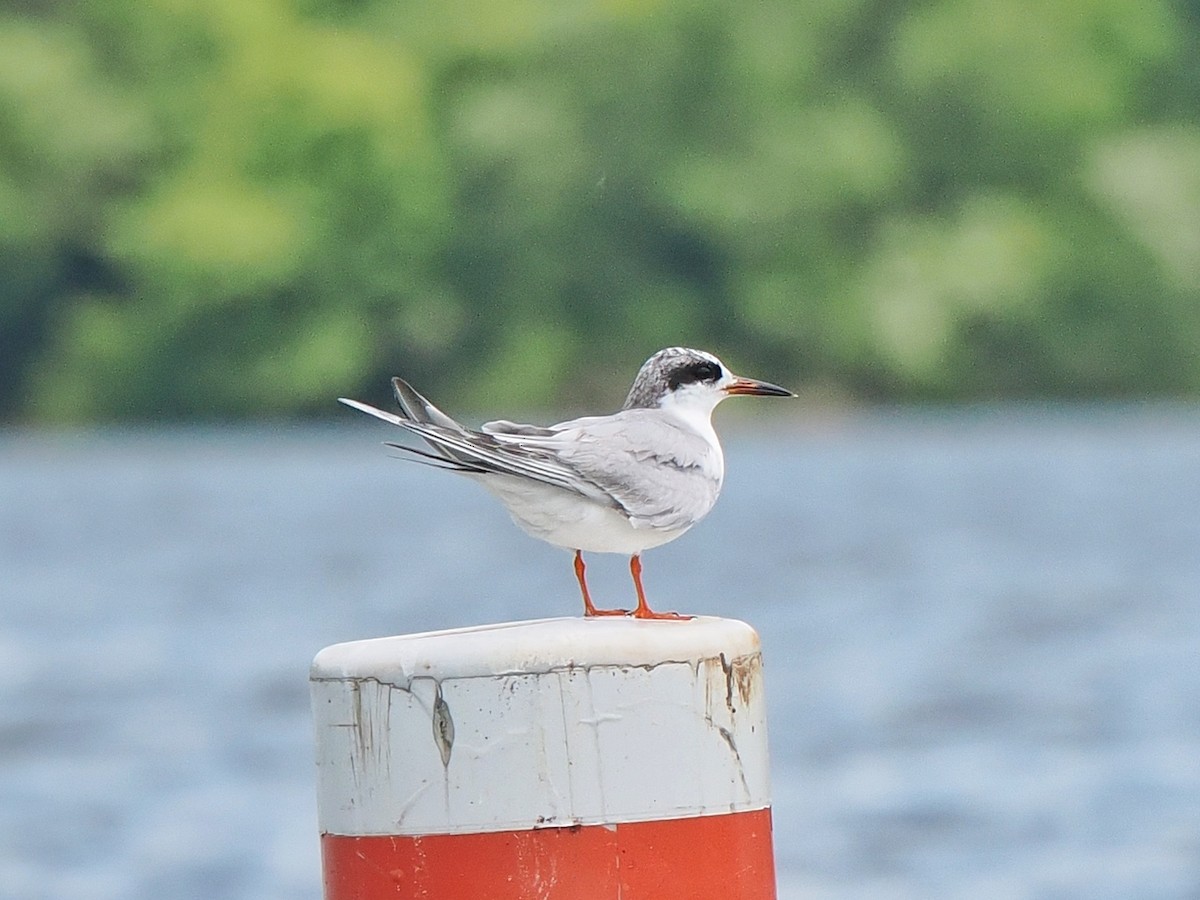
pixel 747 674
pixel 742 675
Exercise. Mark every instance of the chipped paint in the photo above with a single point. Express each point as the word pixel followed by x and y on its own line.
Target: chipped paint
pixel 569 742
pixel 443 727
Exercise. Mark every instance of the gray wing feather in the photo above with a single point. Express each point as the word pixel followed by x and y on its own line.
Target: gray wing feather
pixel 482 453
pixel 417 408
pixel 508 459
pixel 656 472
pixel 661 475
pixel 372 411
pixel 502 428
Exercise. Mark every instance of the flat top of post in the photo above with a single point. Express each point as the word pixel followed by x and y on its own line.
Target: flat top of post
pixel 539 645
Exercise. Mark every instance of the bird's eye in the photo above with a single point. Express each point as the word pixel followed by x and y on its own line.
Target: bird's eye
pixel 700 371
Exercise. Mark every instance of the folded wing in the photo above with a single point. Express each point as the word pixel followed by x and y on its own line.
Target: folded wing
pixel 659 474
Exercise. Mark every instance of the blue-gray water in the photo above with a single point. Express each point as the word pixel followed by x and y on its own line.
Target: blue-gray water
pixel 981 629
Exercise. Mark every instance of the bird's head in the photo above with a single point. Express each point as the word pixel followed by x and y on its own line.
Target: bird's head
pixel 693 381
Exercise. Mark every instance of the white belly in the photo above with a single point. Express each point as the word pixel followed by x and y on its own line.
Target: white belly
pixel 571 521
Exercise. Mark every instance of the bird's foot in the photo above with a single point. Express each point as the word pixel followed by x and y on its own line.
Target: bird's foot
pixel 592 612
pixel 647 613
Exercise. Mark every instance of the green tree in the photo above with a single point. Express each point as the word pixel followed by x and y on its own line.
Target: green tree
pixel 247 207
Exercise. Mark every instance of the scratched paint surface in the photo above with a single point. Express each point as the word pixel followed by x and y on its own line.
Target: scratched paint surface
pixel 575 742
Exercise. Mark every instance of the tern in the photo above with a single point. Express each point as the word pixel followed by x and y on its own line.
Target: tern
pixel 621 483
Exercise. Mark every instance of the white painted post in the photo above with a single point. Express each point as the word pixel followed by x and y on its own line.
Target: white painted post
pixel 554 759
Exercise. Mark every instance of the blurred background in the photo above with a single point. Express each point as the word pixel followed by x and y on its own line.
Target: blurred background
pixel 237 209
pixel 967 232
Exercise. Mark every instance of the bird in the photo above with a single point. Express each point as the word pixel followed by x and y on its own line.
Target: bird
pixel 621 483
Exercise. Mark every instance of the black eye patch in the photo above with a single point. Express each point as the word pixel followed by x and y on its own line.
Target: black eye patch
pixel 693 372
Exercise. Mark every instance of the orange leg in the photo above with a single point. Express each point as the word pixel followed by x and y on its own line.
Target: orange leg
pixel 643 610
pixel 588 608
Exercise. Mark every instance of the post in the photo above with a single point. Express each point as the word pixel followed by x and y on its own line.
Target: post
pixel 547 760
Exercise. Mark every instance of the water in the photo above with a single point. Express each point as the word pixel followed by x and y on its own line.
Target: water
pixel 981 629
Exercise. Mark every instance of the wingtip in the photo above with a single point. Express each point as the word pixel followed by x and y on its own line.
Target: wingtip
pixel 371 410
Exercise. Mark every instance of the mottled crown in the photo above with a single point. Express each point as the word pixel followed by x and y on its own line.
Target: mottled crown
pixel 669 369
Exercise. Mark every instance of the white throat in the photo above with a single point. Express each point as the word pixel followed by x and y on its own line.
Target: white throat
pixel 693 407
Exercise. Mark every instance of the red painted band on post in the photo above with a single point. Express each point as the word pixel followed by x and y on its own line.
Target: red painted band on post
pixel 716 857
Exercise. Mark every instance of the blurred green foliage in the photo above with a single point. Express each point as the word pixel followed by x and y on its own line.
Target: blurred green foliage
pixel 234 208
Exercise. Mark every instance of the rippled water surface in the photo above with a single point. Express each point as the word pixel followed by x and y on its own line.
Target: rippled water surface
pixel 981 630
